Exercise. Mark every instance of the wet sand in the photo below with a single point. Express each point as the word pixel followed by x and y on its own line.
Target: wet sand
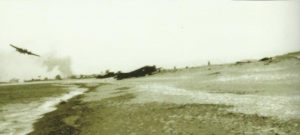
pixel 252 98
pixel 23 105
pixel 117 114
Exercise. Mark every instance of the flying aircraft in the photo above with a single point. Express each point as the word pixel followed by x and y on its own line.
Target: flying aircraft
pixel 23 51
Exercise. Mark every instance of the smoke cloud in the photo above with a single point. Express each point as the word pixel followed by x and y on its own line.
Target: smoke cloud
pixel 25 67
pixel 63 65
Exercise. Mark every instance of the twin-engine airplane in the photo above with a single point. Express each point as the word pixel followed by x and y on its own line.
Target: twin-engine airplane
pixel 24 51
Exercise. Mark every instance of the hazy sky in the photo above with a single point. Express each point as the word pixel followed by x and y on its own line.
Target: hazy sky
pixel 126 34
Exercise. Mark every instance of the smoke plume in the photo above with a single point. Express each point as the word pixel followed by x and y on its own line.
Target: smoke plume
pixel 25 67
pixel 62 64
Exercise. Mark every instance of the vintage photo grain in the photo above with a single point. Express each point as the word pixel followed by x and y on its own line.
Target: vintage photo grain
pixel 149 67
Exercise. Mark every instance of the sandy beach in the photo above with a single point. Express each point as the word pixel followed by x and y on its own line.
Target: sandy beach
pixel 253 98
pixel 149 67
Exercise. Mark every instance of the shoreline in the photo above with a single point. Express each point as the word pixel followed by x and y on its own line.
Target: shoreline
pixel 19 112
pixel 53 120
pixel 116 115
pixel 247 98
pixel 58 122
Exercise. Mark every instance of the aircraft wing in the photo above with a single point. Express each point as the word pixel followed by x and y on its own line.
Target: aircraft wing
pixel 14 46
pixel 30 53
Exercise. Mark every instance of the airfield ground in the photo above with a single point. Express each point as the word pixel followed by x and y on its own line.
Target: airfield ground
pixel 261 97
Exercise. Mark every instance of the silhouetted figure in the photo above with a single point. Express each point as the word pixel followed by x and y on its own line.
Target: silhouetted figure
pixel 58 77
pixel 208 65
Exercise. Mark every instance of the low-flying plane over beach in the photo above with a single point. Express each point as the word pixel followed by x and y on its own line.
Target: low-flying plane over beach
pixel 24 51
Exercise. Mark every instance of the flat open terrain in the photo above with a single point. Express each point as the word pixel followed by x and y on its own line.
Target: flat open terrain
pixel 245 98
pixel 13 94
pixel 257 97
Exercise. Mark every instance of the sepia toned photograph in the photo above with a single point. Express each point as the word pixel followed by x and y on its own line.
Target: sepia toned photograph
pixel 149 67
